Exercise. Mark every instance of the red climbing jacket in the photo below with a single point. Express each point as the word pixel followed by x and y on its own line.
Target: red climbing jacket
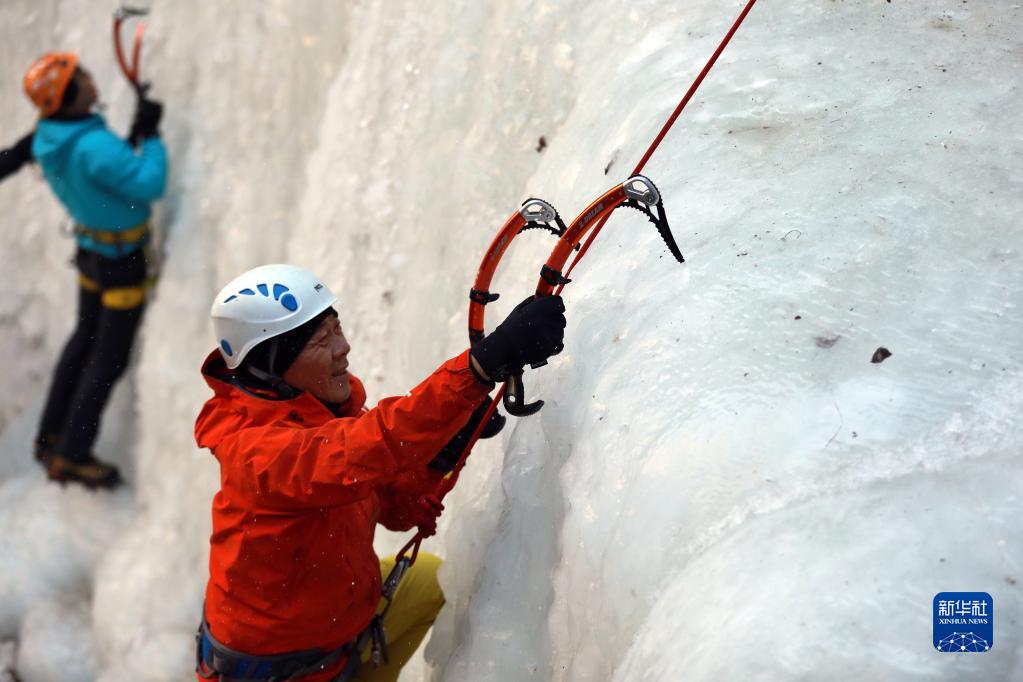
pixel 292 565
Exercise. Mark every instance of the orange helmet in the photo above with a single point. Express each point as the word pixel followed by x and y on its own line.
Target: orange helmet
pixel 48 78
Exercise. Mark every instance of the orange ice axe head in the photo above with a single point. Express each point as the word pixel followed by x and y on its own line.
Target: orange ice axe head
pixel 130 70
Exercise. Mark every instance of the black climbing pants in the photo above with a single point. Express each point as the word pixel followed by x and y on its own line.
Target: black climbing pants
pixel 110 303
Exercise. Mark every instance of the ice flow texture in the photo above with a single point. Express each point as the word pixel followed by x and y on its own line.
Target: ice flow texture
pixel 715 488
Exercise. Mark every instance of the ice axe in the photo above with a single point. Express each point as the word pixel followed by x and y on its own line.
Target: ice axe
pixel 130 71
pixel 638 192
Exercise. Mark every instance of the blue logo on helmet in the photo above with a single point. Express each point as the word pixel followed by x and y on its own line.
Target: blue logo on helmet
pixel 280 294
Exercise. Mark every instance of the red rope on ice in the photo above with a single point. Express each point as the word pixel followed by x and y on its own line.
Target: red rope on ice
pixel 667 126
pixel 447 483
pixel 445 486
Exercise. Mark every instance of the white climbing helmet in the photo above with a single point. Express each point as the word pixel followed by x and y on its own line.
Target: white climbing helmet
pixel 263 303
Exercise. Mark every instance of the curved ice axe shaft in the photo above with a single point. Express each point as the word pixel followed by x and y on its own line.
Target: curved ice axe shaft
pixel 637 192
pixel 533 214
pixel 130 71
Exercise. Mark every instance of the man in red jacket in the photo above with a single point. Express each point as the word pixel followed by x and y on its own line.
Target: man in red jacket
pixel 307 472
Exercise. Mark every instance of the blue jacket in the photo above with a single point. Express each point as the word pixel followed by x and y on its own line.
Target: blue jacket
pixel 100 179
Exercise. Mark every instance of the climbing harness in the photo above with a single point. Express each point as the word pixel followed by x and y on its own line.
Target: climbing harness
pixel 216 661
pixel 130 70
pixel 636 192
pixel 118 238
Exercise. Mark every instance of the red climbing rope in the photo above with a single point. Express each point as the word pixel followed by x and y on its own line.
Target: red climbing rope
pixel 448 483
pixel 667 126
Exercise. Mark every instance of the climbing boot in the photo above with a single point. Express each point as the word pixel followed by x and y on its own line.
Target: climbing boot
pixel 90 472
pixel 46 448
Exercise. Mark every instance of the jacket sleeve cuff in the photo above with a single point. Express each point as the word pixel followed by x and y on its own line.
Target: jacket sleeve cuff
pixel 462 364
pixel 486 381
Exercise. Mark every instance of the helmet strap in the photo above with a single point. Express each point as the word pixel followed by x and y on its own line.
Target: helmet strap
pixel 272 360
pixel 285 390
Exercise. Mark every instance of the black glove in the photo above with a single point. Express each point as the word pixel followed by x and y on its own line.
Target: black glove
pixel 147 119
pixel 11 160
pixel 532 333
pixel 448 456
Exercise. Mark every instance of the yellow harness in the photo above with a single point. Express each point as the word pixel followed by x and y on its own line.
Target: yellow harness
pixel 117 298
pixel 127 237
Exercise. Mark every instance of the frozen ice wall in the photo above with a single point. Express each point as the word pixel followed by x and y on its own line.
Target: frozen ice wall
pixel 721 486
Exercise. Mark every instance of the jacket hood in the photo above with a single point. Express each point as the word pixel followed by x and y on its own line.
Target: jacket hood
pixel 233 407
pixel 54 139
